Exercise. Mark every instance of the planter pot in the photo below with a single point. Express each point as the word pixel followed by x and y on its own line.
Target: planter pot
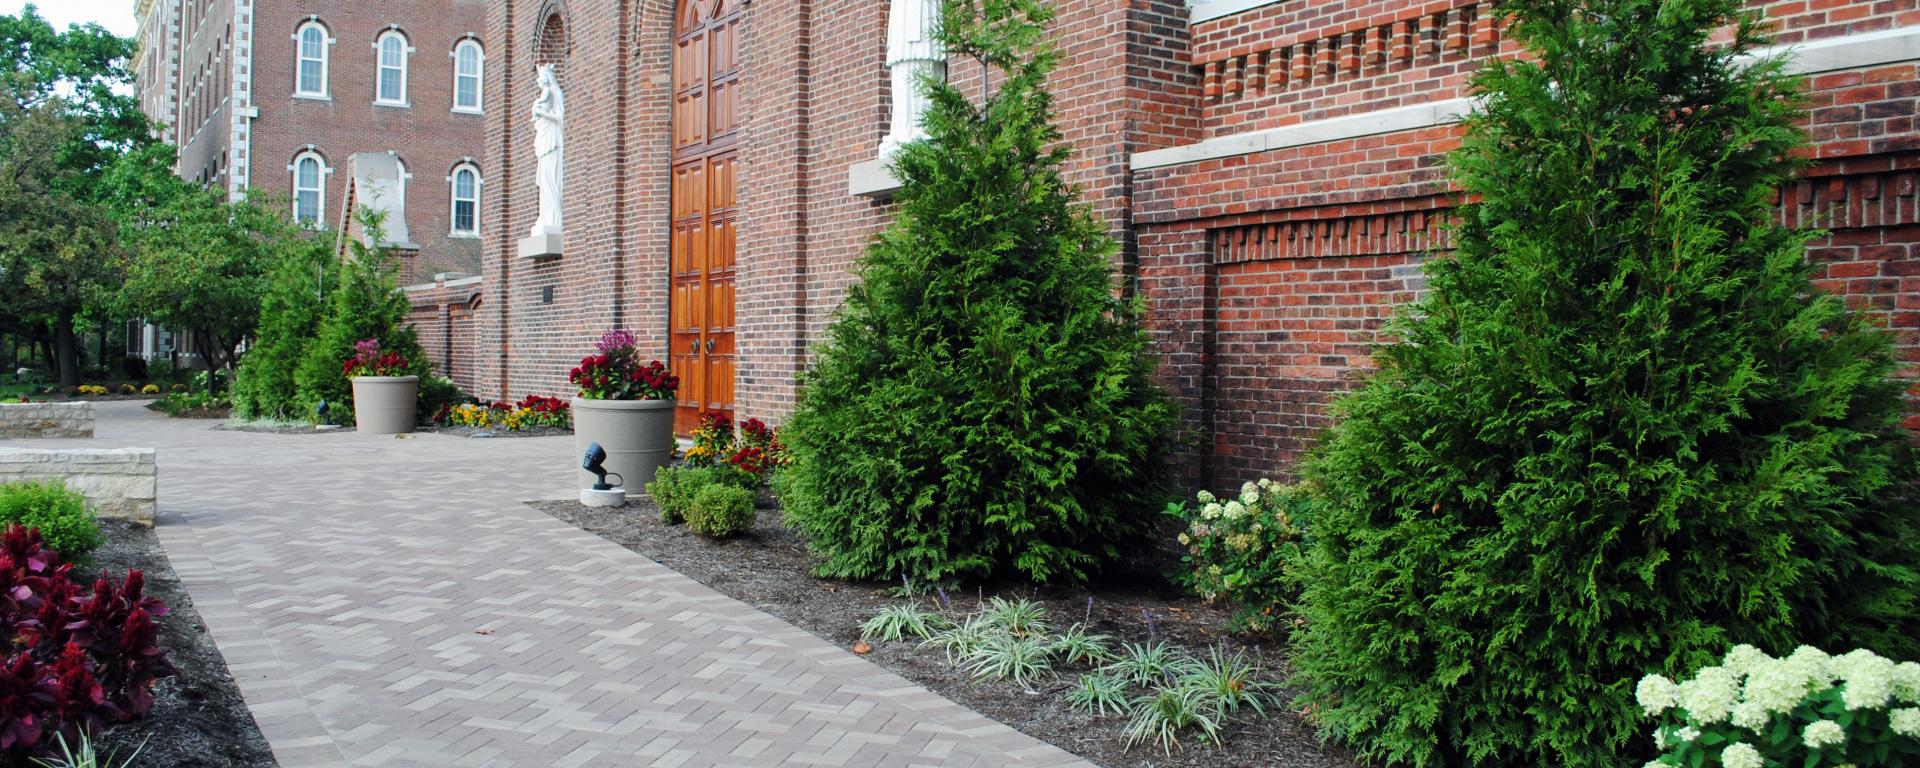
pixel 383 405
pixel 637 435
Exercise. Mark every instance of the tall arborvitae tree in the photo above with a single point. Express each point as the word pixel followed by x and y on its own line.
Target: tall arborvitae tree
pixel 981 405
pixel 1622 431
pixel 363 301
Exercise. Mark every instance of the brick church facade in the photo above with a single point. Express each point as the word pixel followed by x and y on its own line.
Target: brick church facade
pixel 1273 170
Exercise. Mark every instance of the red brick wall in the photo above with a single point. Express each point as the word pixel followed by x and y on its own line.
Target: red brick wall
pixel 1256 346
pixel 1267 274
pixel 428 135
pixel 444 316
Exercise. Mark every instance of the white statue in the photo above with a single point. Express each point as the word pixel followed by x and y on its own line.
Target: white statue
pixel 549 147
pixel 911 53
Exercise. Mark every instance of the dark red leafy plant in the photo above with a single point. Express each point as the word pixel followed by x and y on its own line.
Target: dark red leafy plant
pixel 75 658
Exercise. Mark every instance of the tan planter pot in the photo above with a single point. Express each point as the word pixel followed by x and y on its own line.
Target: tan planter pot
pixel 637 435
pixel 384 405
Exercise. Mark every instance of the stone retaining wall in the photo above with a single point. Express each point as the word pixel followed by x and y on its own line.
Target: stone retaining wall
pixel 29 420
pixel 119 483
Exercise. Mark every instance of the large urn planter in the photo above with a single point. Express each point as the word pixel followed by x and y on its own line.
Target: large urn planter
pixel 384 405
pixel 636 434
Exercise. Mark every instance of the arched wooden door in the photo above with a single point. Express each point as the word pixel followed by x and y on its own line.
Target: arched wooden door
pixel 706 87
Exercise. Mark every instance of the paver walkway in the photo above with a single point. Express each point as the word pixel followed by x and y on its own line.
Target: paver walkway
pixel 393 602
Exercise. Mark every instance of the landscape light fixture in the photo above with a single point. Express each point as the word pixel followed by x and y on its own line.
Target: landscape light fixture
pixel 594 462
pixel 321 409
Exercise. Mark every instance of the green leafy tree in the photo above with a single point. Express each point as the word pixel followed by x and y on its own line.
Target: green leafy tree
pixel 981 405
pixel 1621 432
pixel 65 118
pixel 364 302
pixel 200 262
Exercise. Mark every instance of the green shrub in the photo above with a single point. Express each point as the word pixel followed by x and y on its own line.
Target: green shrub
pixel 1621 431
pixel 721 510
pixel 673 489
pixel 982 404
pixel 1246 550
pixel 365 303
pixel 60 513
pixel 290 312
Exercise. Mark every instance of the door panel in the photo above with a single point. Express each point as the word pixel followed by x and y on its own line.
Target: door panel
pixel 706 80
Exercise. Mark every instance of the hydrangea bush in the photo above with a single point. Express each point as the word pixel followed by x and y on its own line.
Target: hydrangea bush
pixel 1806 710
pixel 1243 549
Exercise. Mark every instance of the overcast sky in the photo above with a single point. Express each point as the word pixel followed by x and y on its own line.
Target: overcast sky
pixel 115 15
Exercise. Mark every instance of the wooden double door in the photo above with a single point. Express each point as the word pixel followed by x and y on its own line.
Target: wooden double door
pixel 706 86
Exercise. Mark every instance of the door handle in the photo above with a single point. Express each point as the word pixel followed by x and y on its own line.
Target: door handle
pixel 694 346
pixel 709 346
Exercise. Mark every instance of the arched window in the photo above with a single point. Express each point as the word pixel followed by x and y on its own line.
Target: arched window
pixel 469 62
pixel 309 187
pixel 392 85
pixel 465 183
pixel 310 78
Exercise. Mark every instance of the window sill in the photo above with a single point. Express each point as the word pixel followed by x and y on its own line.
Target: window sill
pixel 393 104
pixel 468 111
pixel 463 235
pixel 312 96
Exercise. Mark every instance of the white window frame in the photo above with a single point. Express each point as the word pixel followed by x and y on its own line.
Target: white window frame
pixel 453 196
pixel 380 66
pixel 479 76
pixel 300 59
pixel 320 191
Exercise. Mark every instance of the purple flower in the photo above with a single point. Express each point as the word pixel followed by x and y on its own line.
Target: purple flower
pixel 367 348
pixel 616 340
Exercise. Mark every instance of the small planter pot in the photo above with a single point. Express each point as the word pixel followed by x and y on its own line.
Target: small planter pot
pixel 637 436
pixel 384 405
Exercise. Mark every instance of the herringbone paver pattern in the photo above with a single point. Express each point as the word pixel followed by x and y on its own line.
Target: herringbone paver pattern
pixel 393 602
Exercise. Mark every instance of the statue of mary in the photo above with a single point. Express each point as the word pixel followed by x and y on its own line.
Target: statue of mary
pixel 549 145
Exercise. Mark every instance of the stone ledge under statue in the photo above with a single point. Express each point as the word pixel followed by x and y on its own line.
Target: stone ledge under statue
pixel 542 243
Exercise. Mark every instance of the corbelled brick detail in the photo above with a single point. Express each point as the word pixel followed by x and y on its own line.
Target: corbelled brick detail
pixel 38 420
pixel 119 483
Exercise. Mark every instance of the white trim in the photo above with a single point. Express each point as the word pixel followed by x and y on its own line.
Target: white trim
pixel 1213 9
pixel 453 199
pixel 479 76
pixel 300 59
pixel 320 191
pixel 1839 53
pixel 380 66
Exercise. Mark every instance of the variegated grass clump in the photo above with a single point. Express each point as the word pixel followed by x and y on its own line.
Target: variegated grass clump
pixel 1166 694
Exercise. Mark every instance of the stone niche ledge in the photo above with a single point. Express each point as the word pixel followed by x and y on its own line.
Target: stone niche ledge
pixel 119 483
pixel 873 178
pixel 541 245
pixel 45 420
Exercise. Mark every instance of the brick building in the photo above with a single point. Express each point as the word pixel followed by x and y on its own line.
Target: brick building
pixel 297 99
pixel 1273 169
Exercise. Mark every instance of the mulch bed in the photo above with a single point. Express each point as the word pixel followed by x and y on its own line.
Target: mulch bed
pixel 223 412
pixel 770 569
pixel 283 429
pixel 199 719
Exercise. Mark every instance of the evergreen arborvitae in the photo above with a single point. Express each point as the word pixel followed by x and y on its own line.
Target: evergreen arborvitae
pixel 1622 431
pixel 981 405
pixel 364 302
pixel 290 313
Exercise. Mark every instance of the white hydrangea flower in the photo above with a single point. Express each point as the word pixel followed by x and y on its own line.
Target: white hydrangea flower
pixel 1825 733
pixel 1235 510
pixel 1905 722
pixel 1906 682
pixel 1248 487
pixel 1741 755
pixel 1743 658
pixel 1211 511
pixel 1709 697
pixel 1751 715
pixel 1868 679
pixel 1655 764
pixel 1267 483
pixel 1687 733
pixel 1205 497
pixel 1812 662
pixel 1250 498
pixel 1779 686
pixel 1656 694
